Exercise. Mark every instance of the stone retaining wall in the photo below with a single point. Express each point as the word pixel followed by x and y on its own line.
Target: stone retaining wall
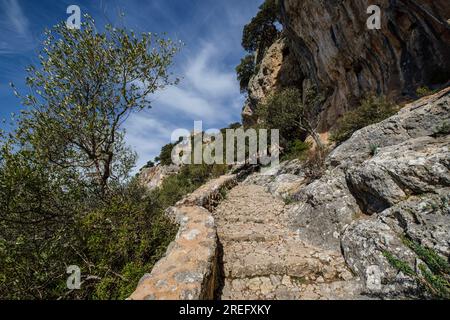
pixel 189 270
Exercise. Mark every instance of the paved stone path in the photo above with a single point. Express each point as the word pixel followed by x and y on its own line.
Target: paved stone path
pixel 264 259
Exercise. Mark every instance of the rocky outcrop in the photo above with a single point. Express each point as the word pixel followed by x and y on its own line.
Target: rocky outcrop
pixel 153 177
pixel 335 49
pixel 264 259
pixel 388 181
pixel 189 270
pixel 278 69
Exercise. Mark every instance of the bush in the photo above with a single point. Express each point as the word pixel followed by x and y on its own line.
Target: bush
pixel 372 110
pixel 165 157
pixel 283 110
pixel 442 130
pixel 296 149
pixel 433 274
pixel 424 91
pixel 245 71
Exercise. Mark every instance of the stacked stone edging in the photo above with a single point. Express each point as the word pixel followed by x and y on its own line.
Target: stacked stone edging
pixel 189 270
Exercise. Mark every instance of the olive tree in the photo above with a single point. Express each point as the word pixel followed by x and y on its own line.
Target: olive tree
pixel 85 87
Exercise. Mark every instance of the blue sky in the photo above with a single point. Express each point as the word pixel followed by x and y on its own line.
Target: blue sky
pixel 208 91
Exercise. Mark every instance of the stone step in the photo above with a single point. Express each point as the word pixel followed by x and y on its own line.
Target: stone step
pixel 276 287
pixel 225 214
pixel 286 257
pixel 250 231
pixel 246 219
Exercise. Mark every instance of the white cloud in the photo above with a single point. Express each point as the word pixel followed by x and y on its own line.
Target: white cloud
pixel 13 20
pixel 16 16
pixel 146 134
pixel 204 77
pixel 206 92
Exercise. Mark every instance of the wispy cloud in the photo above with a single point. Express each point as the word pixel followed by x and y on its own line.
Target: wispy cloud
pixel 13 20
pixel 207 92
pixel 146 135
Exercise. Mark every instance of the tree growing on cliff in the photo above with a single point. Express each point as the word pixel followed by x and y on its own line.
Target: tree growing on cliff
pixel 245 71
pixel 261 32
pixel 257 36
pixel 87 85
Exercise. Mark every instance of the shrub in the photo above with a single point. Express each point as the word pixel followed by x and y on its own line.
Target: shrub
pixel 315 163
pixel 442 130
pixel 374 148
pixel 424 91
pixel 296 149
pixel 372 110
pixel 245 71
pixel 286 111
pixel 433 274
pixel 165 157
pixel 149 164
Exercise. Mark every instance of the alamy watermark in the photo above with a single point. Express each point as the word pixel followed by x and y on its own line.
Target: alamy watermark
pixel 74 280
pixel 374 21
pixel 74 20
pixel 229 146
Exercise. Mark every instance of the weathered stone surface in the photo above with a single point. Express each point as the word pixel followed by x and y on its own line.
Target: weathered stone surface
pixel 264 259
pixel 323 209
pixel 424 219
pixel 364 244
pixel 189 270
pixel 336 50
pixel 278 69
pixel 189 267
pixel 416 166
pixel 421 118
pixel 153 177
pixel 208 194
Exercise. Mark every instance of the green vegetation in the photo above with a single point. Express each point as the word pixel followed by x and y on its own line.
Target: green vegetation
pixel 261 32
pixel 149 164
pixel 296 149
pixel 165 156
pixel 66 195
pixel 424 91
pixel 433 274
pixel 372 110
pixel 245 71
pixel 257 36
pixel 374 149
pixel 442 130
pixel 286 111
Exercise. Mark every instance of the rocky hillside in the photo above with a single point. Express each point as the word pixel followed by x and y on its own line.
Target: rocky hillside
pixel 374 225
pixel 327 44
pixel 367 202
pixel 154 177
pixel 369 220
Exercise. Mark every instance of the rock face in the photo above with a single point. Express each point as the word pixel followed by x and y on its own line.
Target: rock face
pixel 153 177
pixel 278 69
pixel 189 270
pixel 370 197
pixel 335 49
pixel 264 259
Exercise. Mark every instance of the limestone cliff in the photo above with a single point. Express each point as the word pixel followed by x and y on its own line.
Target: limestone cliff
pixel 335 50
pixel 154 177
